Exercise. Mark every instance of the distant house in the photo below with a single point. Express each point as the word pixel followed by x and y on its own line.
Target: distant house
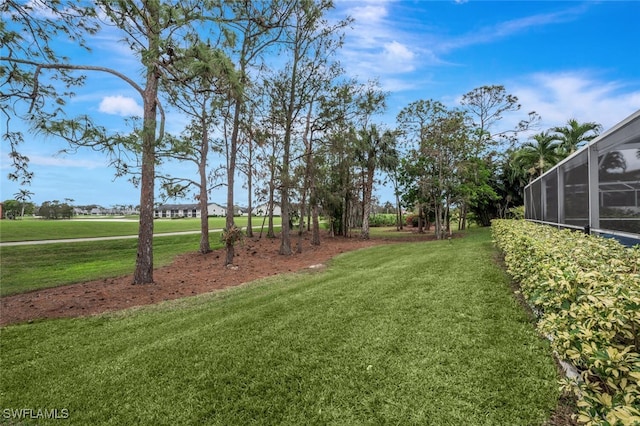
pixel 77 211
pixel 263 210
pixel 188 210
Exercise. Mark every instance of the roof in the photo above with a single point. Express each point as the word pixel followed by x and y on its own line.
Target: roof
pixel 183 206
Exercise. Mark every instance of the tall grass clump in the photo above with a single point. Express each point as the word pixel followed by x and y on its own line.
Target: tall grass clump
pixel 586 291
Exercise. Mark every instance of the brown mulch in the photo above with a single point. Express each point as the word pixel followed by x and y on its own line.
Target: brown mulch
pixel 188 275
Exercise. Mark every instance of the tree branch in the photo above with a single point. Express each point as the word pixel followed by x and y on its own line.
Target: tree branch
pixel 41 66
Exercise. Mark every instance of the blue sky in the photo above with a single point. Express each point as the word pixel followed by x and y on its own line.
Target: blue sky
pixel 562 59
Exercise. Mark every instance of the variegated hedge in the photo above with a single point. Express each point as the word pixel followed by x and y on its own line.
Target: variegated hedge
pixel 586 292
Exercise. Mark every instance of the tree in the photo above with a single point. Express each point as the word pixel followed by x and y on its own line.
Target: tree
pixel 150 28
pixel 373 149
pixel 269 150
pixel 393 176
pixel 539 155
pixel 10 209
pixel 509 180
pixel 413 184
pixel 574 135
pixel 55 210
pixel 315 126
pixel 441 157
pixel 446 143
pixel 256 25
pixel 487 106
pixel 248 168
pixel 22 196
pixel 307 41
pixel 337 186
pixel 613 160
pixel 26 30
pixel 413 121
pixel 475 191
pixel 379 154
pixel 198 77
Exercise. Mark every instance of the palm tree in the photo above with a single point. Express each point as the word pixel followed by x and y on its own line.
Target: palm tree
pixel 573 135
pixel 22 197
pixel 611 161
pixel 539 155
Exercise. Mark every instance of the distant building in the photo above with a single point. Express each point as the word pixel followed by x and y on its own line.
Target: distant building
pixel 188 210
pixel 263 210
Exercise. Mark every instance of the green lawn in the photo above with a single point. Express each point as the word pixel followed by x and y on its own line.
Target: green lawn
pixel 31 267
pixel 414 333
pixel 31 230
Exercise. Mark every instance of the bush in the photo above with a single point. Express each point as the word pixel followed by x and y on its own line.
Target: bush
pixel 516 213
pixel 586 292
pixel 382 220
pixel 412 220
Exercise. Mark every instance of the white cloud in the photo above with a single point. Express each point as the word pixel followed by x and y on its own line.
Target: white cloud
pixel 377 47
pixel 500 30
pixel 41 160
pixel 370 26
pixel 560 96
pixel 395 51
pixel 120 105
pixel 370 13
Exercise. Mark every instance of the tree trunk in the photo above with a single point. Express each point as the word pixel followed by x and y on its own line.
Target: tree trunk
pixel 143 273
pixel 250 189
pixel 285 240
pixel 463 217
pixel 366 200
pixel 231 171
pixel 205 246
pixel 438 223
pixel 315 229
pixel 308 143
pixel 399 213
pixel 270 230
pixel 285 237
pixel 144 260
pixel 301 224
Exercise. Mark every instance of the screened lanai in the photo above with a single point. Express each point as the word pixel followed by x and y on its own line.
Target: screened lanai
pixel 597 189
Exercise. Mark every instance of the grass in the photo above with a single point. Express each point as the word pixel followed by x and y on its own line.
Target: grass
pixel 27 268
pixel 32 267
pixel 391 232
pixel 31 230
pixel 414 333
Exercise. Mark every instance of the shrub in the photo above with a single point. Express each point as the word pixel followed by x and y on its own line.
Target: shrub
pixel 516 212
pixel 382 220
pixel 586 292
pixel 231 235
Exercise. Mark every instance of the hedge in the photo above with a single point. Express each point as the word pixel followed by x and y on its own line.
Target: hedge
pixel 586 293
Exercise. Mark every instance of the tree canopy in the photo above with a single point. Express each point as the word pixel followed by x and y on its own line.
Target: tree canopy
pixel 307 137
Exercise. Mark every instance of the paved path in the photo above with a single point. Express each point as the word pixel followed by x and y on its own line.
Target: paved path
pixel 80 240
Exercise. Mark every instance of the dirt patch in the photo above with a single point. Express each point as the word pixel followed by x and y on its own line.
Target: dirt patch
pixel 188 275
